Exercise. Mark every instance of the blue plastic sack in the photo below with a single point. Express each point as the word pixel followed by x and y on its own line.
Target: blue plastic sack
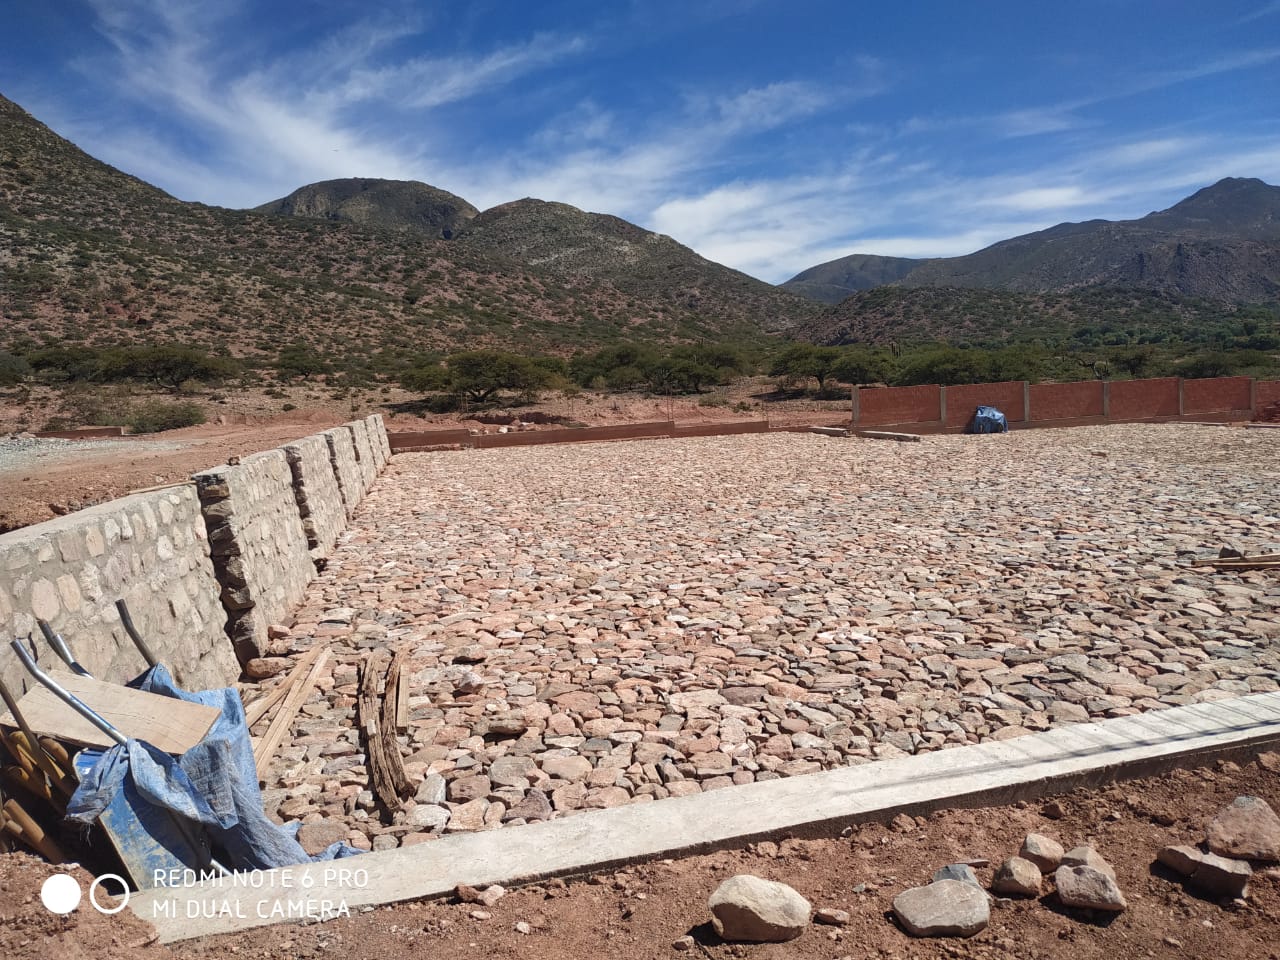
pixel 988 420
pixel 215 784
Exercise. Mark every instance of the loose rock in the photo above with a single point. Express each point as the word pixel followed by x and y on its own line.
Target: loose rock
pixel 749 909
pixel 957 871
pixel 1219 876
pixel 1045 852
pixel 1017 877
pixel 1088 887
pixel 1247 829
pixel 944 908
pixel 315 838
pixel 1085 856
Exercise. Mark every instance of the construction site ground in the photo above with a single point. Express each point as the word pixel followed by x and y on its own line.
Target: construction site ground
pixel 642 911
pixel 595 625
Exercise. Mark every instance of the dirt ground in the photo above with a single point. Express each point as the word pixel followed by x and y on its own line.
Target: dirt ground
pixel 92 472
pixel 640 912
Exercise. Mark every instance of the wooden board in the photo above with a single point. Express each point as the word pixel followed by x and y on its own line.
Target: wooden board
pixel 377 715
pixel 171 725
pixel 265 749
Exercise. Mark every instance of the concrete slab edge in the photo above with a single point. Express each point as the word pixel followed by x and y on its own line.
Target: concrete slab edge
pixel 818 804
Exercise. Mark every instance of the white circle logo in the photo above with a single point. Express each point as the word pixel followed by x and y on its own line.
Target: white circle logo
pixel 60 894
pixel 93 894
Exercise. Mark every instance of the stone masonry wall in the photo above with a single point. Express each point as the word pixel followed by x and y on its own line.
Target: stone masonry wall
pixel 315 487
pixel 148 549
pixel 342 455
pixel 364 453
pixel 378 436
pixel 259 547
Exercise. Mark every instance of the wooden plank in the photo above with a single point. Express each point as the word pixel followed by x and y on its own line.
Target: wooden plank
pixel 1261 561
pixel 31 833
pixel 402 698
pixel 376 710
pixel 993 773
pixel 260 707
pixel 166 723
pixel 270 743
pixel 888 435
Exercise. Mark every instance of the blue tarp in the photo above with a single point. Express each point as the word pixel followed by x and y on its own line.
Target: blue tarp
pixel 988 420
pixel 213 784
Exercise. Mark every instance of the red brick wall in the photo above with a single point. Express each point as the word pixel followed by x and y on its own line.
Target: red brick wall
pixel 626 431
pixel 721 429
pixel 1220 395
pixel 1137 399
pixel 963 400
pixel 1268 401
pixel 1066 401
pixel 427 438
pixel 885 405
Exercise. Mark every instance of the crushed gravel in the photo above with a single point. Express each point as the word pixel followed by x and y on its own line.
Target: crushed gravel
pixel 17 452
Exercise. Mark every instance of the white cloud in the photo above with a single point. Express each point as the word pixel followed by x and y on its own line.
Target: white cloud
pixel 267 129
pixel 425 82
pixel 763 108
pixel 769 176
pixel 1045 198
pixel 1266 10
pixel 943 245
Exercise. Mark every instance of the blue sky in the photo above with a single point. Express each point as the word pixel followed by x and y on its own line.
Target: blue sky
pixel 768 136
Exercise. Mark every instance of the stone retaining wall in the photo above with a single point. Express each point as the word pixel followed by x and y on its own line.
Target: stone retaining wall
pixel 364 453
pixel 148 549
pixel 221 558
pixel 342 455
pixel 259 547
pixel 378 440
pixel 315 488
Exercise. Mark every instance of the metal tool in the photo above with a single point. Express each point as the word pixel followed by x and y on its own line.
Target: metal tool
pixel 136 637
pixel 61 649
pixel 140 845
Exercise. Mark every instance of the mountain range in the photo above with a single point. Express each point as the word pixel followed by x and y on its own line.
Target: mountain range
pixel 556 239
pixel 357 269
pixel 370 270
pixel 1220 243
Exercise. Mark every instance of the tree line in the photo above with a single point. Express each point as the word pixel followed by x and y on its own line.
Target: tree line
pixel 479 377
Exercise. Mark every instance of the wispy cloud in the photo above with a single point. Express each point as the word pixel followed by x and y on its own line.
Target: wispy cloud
pixel 1230 63
pixel 1266 10
pixel 425 82
pixel 266 127
pixel 767 173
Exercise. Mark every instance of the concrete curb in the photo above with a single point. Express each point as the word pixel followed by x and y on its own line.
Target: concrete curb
pixel 816 804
